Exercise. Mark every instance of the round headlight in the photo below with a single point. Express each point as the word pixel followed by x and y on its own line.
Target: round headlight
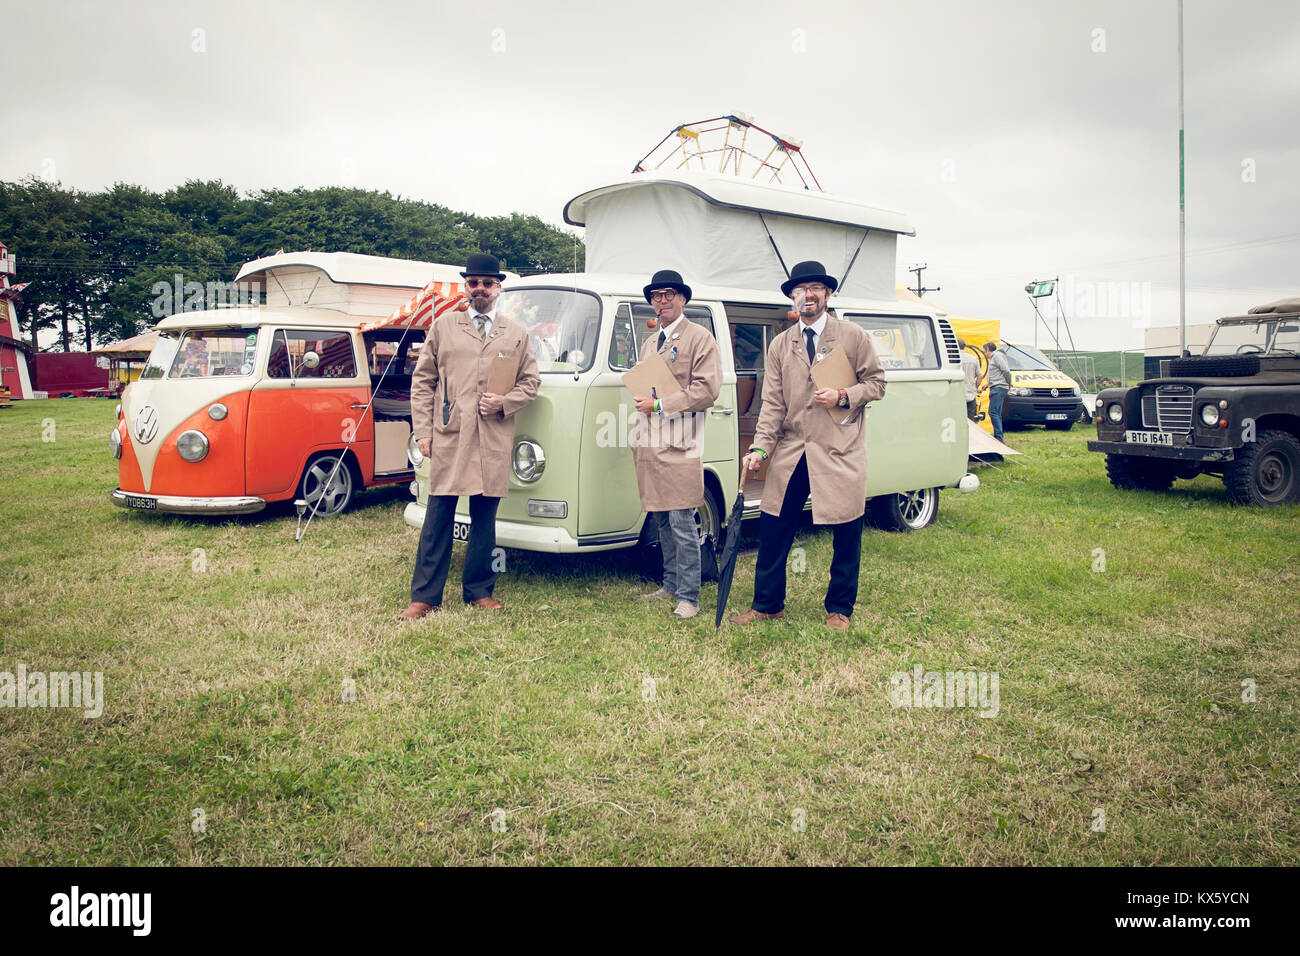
pixel 217 412
pixel 115 443
pixel 192 445
pixel 1076 391
pixel 1100 402
pixel 529 461
pixel 1210 415
pixel 413 452
pixel 1114 413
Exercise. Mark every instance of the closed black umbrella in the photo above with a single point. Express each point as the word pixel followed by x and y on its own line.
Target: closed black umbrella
pixel 727 561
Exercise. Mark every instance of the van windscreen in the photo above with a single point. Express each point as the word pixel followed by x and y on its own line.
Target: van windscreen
pixel 160 358
pixel 563 325
pixel 205 353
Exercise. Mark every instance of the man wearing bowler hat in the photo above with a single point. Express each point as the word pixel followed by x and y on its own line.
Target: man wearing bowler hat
pixel 668 446
pixel 467 432
pixel 810 449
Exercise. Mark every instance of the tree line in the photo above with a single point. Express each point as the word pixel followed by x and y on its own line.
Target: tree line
pixel 93 258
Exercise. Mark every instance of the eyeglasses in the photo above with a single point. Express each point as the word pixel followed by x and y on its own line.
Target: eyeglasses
pixel 663 295
pixel 485 283
pixel 811 287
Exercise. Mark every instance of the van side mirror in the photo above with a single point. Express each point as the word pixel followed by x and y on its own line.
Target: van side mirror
pixel 310 362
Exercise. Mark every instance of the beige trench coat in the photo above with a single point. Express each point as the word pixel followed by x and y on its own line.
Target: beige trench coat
pixel 791 424
pixel 668 446
pixel 470 453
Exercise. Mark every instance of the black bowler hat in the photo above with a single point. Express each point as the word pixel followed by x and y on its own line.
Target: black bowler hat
pixel 810 271
pixel 668 279
pixel 483 264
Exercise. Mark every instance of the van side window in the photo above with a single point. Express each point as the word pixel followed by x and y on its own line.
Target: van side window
pixel 642 313
pixel 622 344
pixel 749 346
pixel 901 341
pixel 337 356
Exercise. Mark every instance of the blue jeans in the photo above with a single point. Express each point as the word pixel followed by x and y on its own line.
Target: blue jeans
pixel 997 395
pixel 680 545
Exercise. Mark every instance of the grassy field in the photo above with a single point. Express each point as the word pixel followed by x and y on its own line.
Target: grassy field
pixel 1105 364
pixel 607 732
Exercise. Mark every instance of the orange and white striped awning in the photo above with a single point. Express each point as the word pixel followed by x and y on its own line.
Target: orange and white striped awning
pixel 425 306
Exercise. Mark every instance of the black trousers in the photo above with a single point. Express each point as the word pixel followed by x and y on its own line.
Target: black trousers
pixel 775 536
pixel 433 557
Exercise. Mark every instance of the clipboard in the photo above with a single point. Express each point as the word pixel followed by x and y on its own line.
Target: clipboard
pixel 651 377
pixel 501 377
pixel 834 371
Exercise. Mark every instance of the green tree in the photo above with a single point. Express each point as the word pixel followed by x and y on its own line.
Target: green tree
pixel 527 245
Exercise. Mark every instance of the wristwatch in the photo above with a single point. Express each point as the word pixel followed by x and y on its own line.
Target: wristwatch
pixel 844 398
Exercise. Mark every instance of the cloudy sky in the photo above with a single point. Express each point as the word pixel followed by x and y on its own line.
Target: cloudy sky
pixel 1025 140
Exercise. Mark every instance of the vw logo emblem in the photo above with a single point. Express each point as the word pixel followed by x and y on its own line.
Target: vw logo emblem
pixel 146 424
pixel 1056 393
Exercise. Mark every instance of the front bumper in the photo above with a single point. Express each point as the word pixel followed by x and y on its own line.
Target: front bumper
pixel 531 537
pixel 1171 452
pixel 1033 409
pixel 178 505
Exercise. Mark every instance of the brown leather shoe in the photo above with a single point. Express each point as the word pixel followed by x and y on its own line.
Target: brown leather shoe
pixel 417 610
pixel 487 603
pixel 837 621
pixel 750 616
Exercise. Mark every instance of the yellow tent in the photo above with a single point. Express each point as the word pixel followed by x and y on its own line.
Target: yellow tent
pixel 975 332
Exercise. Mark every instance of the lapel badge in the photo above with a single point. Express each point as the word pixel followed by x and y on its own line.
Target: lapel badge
pixel 672 355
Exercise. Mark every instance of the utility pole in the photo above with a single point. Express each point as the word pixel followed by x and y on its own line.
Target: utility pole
pixel 920 290
pixel 1182 205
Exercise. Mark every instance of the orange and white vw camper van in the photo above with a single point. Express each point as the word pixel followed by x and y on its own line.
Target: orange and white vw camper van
pixel 240 407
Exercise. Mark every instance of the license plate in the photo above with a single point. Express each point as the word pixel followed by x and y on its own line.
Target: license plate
pixel 1056 417
pixel 145 504
pixel 1149 438
pixel 460 531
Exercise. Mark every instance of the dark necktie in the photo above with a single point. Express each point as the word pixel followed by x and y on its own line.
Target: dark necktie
pixel 663 336
pixel 812 349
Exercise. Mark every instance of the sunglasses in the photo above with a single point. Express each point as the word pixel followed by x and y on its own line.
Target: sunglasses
pixel 663 296
pixel 485 283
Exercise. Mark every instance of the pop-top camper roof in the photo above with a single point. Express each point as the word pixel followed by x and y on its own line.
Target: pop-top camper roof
pixel 344 281
pixel 719 230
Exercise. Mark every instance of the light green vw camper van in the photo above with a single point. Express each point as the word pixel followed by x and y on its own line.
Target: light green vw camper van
pixel 573 485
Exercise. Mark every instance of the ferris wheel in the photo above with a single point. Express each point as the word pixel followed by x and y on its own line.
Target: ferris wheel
pixel 731 143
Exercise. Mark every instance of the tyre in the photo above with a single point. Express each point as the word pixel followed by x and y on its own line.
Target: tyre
pixel 1219 366
pixel 708 522
pixel 906 511
pixel 1129 472
pixel 708 518
pixel 1265 472
pixel 327 485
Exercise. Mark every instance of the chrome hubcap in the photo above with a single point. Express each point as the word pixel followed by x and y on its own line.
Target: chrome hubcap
pixel 331 495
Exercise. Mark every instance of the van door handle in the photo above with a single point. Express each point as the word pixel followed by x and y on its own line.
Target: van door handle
pixel 357 405
pixel 722 411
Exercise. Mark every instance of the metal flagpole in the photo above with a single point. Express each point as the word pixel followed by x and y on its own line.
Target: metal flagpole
pixel 1182 204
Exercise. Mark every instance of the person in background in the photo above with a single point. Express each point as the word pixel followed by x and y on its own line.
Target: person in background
pixel 970 367
pixel 999 377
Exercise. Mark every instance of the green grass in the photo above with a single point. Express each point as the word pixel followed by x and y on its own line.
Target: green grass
pixel 1105 364
pixel 1119 690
